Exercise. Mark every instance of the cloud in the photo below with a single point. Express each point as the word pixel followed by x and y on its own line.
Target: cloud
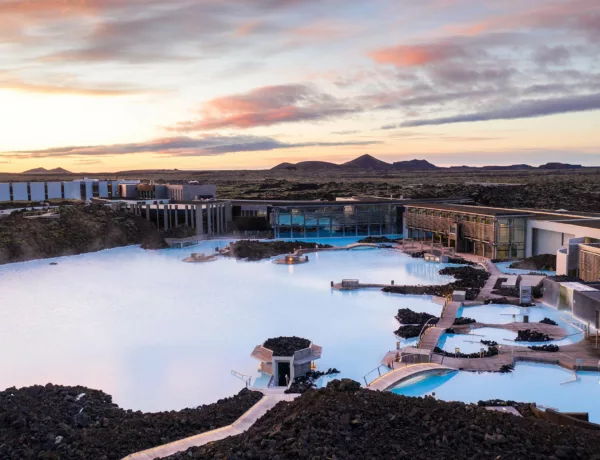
pixel 70 88
pixel 558 56
pixel 417 55
pixel 525 109
pixel 180 146
pixel 265 106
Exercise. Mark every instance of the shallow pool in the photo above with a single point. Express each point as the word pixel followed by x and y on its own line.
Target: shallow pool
pixel 504 314
pixel 529 382
pixel 158 333
pixel 504 268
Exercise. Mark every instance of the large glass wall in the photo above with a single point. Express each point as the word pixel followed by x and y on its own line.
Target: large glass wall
pixel 335 221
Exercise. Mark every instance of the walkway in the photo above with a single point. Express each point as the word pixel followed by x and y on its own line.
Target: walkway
pixel 271 399
pixel 430 338
pixel 394 377
pixel 581 356
pixel 495 273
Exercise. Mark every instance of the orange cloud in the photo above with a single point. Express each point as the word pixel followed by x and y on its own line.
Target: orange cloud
pixel 266 106
pixel 74 90
pixel 416 55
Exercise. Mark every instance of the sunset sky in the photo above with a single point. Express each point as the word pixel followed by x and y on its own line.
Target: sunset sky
pixel 108 85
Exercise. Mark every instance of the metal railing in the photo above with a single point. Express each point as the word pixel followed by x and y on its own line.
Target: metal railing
pixel 378 369
pixel 247 379
pixel 424 329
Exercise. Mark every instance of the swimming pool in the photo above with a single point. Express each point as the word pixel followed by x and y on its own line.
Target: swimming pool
pixel 530 382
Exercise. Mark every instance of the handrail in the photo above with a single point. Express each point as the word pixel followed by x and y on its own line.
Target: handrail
pixel 425 327
pixel 247 379
pixel 378 369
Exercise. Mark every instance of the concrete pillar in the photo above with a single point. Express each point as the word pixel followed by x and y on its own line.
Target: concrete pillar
pixel 529 240
pixel 187 222
pixel 176 214
pixel 147 211
pixel 218 216
pixel 209 219
pixel 304 215
pixel 199 223
pixel 166 216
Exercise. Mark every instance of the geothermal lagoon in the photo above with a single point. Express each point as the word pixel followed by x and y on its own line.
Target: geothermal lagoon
pixel 160 334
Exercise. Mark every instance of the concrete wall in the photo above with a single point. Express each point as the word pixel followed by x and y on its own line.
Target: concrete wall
pixel 128 191
pixel 4 192
pixel 189 192
pixel 72 191
pixel 115 188
pixel 20 191
pixel 89 193
pixel 551 292
pixel 586 306
pixel 561 262
pixel 551 232
pixel 38 191
pixel 54 190
pixel 547 241
pixel 103 189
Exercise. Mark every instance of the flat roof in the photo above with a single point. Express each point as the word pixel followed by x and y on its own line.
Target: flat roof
pixel 374 201
pixel 579 287
pixel 481 210
pixel 595 223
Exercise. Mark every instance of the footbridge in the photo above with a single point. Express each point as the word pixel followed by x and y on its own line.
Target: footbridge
pixel 430 336
pixel 393 378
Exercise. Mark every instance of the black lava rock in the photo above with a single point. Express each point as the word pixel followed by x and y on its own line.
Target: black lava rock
pixel 57 422
pixel 345 422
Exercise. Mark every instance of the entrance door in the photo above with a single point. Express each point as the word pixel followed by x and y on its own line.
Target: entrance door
pixel 283 370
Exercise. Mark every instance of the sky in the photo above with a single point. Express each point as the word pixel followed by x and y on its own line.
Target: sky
pixel 109 85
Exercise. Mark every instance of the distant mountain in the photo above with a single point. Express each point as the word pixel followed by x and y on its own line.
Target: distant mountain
pixel 47 171
pixel 414 165
pixel 306 166
pixel 500 168
pixel 368 162
pixel 559 166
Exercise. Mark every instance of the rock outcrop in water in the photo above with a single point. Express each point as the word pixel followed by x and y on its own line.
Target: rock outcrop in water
pixel 349 423
pixel 539 262
pixel 57 422
pixel 253 250
pixel 468 279
pixel 80 229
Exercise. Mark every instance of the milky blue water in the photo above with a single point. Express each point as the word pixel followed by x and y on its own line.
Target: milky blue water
pixel 529 382
pixel 158 333
pixel 504 314
pixel 504 268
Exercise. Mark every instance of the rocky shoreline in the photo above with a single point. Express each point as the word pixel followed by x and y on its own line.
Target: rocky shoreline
pixel 467 279
pixel 80 229
pixel 58 422
pixel 346 422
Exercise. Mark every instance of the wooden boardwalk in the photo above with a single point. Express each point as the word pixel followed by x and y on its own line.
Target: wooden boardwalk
pixel 271 399
pixel 392 378
pixel 431 337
